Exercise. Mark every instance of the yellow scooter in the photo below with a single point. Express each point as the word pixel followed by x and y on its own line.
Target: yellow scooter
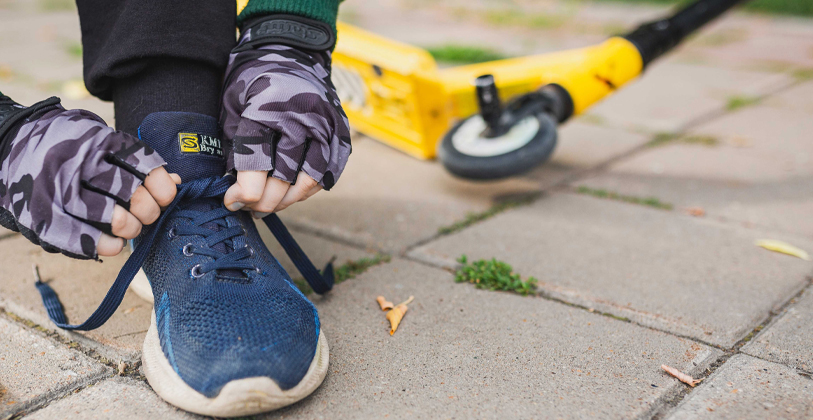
pixel 396 93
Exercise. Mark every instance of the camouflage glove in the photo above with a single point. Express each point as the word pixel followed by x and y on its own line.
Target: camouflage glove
pixel 62 172
pixel 280 109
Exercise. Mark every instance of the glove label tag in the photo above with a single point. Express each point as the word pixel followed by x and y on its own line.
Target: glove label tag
pixel 293 31
pixel 200 143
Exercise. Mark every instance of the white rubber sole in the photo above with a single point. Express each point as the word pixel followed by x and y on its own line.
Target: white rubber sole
pixel 243 397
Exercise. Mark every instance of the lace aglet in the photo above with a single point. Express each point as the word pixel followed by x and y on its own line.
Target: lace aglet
pixel 36 269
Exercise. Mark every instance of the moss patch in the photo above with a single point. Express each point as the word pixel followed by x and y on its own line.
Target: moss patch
pixel 473 218
pixel 609 195
pixel 493 275
pixel 346 271
pixel 736 102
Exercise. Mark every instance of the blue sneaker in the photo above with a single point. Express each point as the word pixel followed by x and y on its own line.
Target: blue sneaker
pixel 230 335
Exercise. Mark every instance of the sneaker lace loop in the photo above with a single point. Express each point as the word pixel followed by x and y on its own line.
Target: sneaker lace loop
pixel 197 189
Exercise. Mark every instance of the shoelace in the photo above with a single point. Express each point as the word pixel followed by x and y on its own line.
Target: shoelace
pixel 198 189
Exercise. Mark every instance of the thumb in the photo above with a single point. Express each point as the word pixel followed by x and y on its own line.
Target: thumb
pixel 246 191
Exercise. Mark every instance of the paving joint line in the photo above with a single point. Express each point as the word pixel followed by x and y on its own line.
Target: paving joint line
pixel 43 400
pixel 131 367
pixel 670 405
pixel 680 131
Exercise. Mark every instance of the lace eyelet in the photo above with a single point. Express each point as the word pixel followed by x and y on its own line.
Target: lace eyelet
pixel 250 250
pixel 171 234
pixel 195 272
pixel 187 250
pixel 258 270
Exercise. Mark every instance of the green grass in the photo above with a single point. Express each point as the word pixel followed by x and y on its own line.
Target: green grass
pixel 663 139
pixel 56 5
pixel 493 275
pixel 520 18
pixel 346 271
pixel 609 195
pixel 784 7
pixel 803 74
pixel 74 49
pixel 464 54
pixel 736 102
pixel 473 218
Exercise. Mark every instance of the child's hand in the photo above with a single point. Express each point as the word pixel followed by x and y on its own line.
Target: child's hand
pixel 289 135
pixel 71 184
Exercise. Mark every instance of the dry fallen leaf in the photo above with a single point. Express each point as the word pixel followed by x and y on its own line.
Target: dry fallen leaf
pixel 783 247
pixel 682 377
pixel 696 211
pixel 384 303
pixel 397 313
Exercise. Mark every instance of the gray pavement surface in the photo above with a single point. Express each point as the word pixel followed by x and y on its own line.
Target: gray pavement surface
pixel 467 353
pixel 788 340
pixel 117 398
pixel 720 130
pixel 749 388
pixel 631 261
pixel 34 368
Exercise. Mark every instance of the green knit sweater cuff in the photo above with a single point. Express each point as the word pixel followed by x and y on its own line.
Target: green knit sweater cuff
pixel 321 10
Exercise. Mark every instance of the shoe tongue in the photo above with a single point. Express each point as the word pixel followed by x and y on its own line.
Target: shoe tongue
pixel 190 143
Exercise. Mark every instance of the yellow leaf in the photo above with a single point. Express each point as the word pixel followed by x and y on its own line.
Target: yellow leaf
pixel 397 313
pixel 384 303
pixel 783 247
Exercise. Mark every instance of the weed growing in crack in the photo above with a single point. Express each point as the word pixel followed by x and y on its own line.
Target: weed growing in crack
pixel 346 271
pixel 642 201
pixel 493 275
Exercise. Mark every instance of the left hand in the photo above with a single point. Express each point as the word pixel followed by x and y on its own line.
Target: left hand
pixel 289 135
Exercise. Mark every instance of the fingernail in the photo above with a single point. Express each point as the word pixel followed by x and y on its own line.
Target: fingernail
pixel 258 214
pixel 235 206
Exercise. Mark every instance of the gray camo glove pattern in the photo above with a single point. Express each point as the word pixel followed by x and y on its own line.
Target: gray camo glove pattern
pixel 61 174
pixel 282 115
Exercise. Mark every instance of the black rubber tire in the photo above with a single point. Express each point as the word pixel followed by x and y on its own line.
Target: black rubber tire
pixel 536 152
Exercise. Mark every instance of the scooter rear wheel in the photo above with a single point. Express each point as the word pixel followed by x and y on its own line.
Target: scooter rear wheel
pixel 467 153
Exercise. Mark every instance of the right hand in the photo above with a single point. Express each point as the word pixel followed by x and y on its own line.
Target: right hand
pixel 71 184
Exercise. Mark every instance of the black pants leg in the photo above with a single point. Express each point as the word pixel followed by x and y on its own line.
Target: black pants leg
pixel 156 55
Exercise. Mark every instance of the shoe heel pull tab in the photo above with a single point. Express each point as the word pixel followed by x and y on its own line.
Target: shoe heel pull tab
pixel 321 283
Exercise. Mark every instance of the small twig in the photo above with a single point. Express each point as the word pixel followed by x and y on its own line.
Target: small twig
pixel 682 377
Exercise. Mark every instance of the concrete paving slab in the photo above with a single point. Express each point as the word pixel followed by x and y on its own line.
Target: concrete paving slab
pixel 690 276
pixel 671 94
pixel 387 200
pixel 583 145
pixel 750 40
pixel 82 285
pixel 319 250
pixel 35 368
pixel 749 388
pixel 757 171
pixel 788 339
pixel 454 357
pixel 117 398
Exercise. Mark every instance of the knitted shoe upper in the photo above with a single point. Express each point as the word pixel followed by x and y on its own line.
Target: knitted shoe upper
pixel 222 313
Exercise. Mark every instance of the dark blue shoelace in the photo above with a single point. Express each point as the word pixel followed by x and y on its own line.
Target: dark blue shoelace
pixel 198 189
